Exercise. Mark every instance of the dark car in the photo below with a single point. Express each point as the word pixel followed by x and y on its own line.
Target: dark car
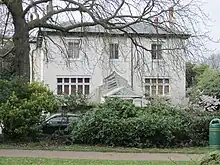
pixel 57 122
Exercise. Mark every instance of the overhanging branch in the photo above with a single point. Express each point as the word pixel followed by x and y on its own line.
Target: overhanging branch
pixel 32 5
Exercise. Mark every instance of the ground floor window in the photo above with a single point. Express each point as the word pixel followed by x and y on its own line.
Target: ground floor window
pixel 157 86
pixel 74 85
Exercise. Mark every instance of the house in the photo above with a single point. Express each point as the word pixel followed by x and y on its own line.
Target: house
pixel 102 63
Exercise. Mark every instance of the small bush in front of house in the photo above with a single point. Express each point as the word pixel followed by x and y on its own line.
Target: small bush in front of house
pixel 21 107
pixel 75 103
pixel 119 123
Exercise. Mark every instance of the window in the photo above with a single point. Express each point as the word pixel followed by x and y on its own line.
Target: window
pixel 73 49
pixel 59 89
pixel 156 51
pixel 159 86
pixel 72 85
pixel 57 120
pixel 113 51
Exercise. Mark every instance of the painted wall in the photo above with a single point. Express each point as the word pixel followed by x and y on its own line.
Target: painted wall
pixel 94 62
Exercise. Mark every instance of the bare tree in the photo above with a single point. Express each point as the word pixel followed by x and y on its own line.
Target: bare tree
pixel 29 15
pixel 213 61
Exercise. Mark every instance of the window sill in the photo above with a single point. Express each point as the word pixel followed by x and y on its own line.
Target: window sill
pixel 158 96
pixel 74 59
pixel 156 60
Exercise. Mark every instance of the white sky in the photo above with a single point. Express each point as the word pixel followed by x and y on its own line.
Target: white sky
pixel 212 9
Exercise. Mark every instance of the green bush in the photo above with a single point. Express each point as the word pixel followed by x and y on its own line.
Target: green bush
pixel 75 103
pixel 211 159
pixel 119 123
pixel 21 107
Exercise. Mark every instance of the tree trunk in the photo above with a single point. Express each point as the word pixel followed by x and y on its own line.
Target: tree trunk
pixel 21 40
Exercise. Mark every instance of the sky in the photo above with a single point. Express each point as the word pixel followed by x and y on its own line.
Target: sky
pixel 212 9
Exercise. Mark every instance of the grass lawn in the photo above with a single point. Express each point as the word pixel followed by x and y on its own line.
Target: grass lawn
pixel 41 161
pixel 46 146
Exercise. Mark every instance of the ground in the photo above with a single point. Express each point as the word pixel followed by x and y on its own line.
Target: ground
pixel 100 155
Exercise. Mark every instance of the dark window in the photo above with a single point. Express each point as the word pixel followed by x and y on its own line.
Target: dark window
pixel 73 80
pixel 80 80
pixel 76 49
pixel 70 49
pixel 80 89
pixel 59 89
pixel 73 89
pixel 86 80
pixel 113 51
pixel 59 80
pixel 156 51
pixel 66 89
pixel 147 80
pixel 66 80
pixel 86 89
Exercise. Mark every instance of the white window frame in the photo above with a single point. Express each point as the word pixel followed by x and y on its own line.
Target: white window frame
pixel 150 84
pixel 112 51
pixel 70 83
pixel 75 52
pixel 159 52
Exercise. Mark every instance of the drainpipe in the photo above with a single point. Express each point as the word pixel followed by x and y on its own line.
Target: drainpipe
pixel 132 67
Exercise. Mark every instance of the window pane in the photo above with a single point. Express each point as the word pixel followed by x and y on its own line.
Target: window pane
pixel 147 90
pixel 66 89
pixel 159 51
pixel 66 80
pixel 147 80
pixel 73 80
pixel 167 90
pixel 73 89
pixel 160 81
pixel 153 51
pixel 76 49
pixel 59 80
pixel 153 90
pixel 167 81
pixel 70 49
pixel 86 80
pixel 59 89
pixel 80 89
pixel 116 51
pixel 80 80
pixel 113 50
pixel 154 81
pixel 160 89
pixel 86 89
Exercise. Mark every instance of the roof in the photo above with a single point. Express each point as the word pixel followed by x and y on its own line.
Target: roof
pixel 140 29
pixel 117 86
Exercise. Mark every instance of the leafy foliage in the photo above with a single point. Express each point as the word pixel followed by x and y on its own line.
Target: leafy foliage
pixel 118 123
pixel 21 106
pixel 75 103
pixel 193 73
pixel 212 158
pixel 207 91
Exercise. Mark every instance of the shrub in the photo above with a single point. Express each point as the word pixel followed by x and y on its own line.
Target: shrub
pixel 119 123
pixel 212 158
pixel 75 103
pixel 21 108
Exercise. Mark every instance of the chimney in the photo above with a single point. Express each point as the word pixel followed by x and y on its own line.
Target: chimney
pixel 156 20
pixel 171 11
pixel 50 6
pixel 171 17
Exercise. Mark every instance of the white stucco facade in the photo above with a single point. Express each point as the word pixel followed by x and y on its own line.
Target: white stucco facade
pixel 134 64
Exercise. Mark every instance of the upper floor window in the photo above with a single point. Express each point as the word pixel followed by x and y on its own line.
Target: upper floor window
pixel 73 49
pixel 156 51
pixel 113 49
pixel 157 86
pixel 68 85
